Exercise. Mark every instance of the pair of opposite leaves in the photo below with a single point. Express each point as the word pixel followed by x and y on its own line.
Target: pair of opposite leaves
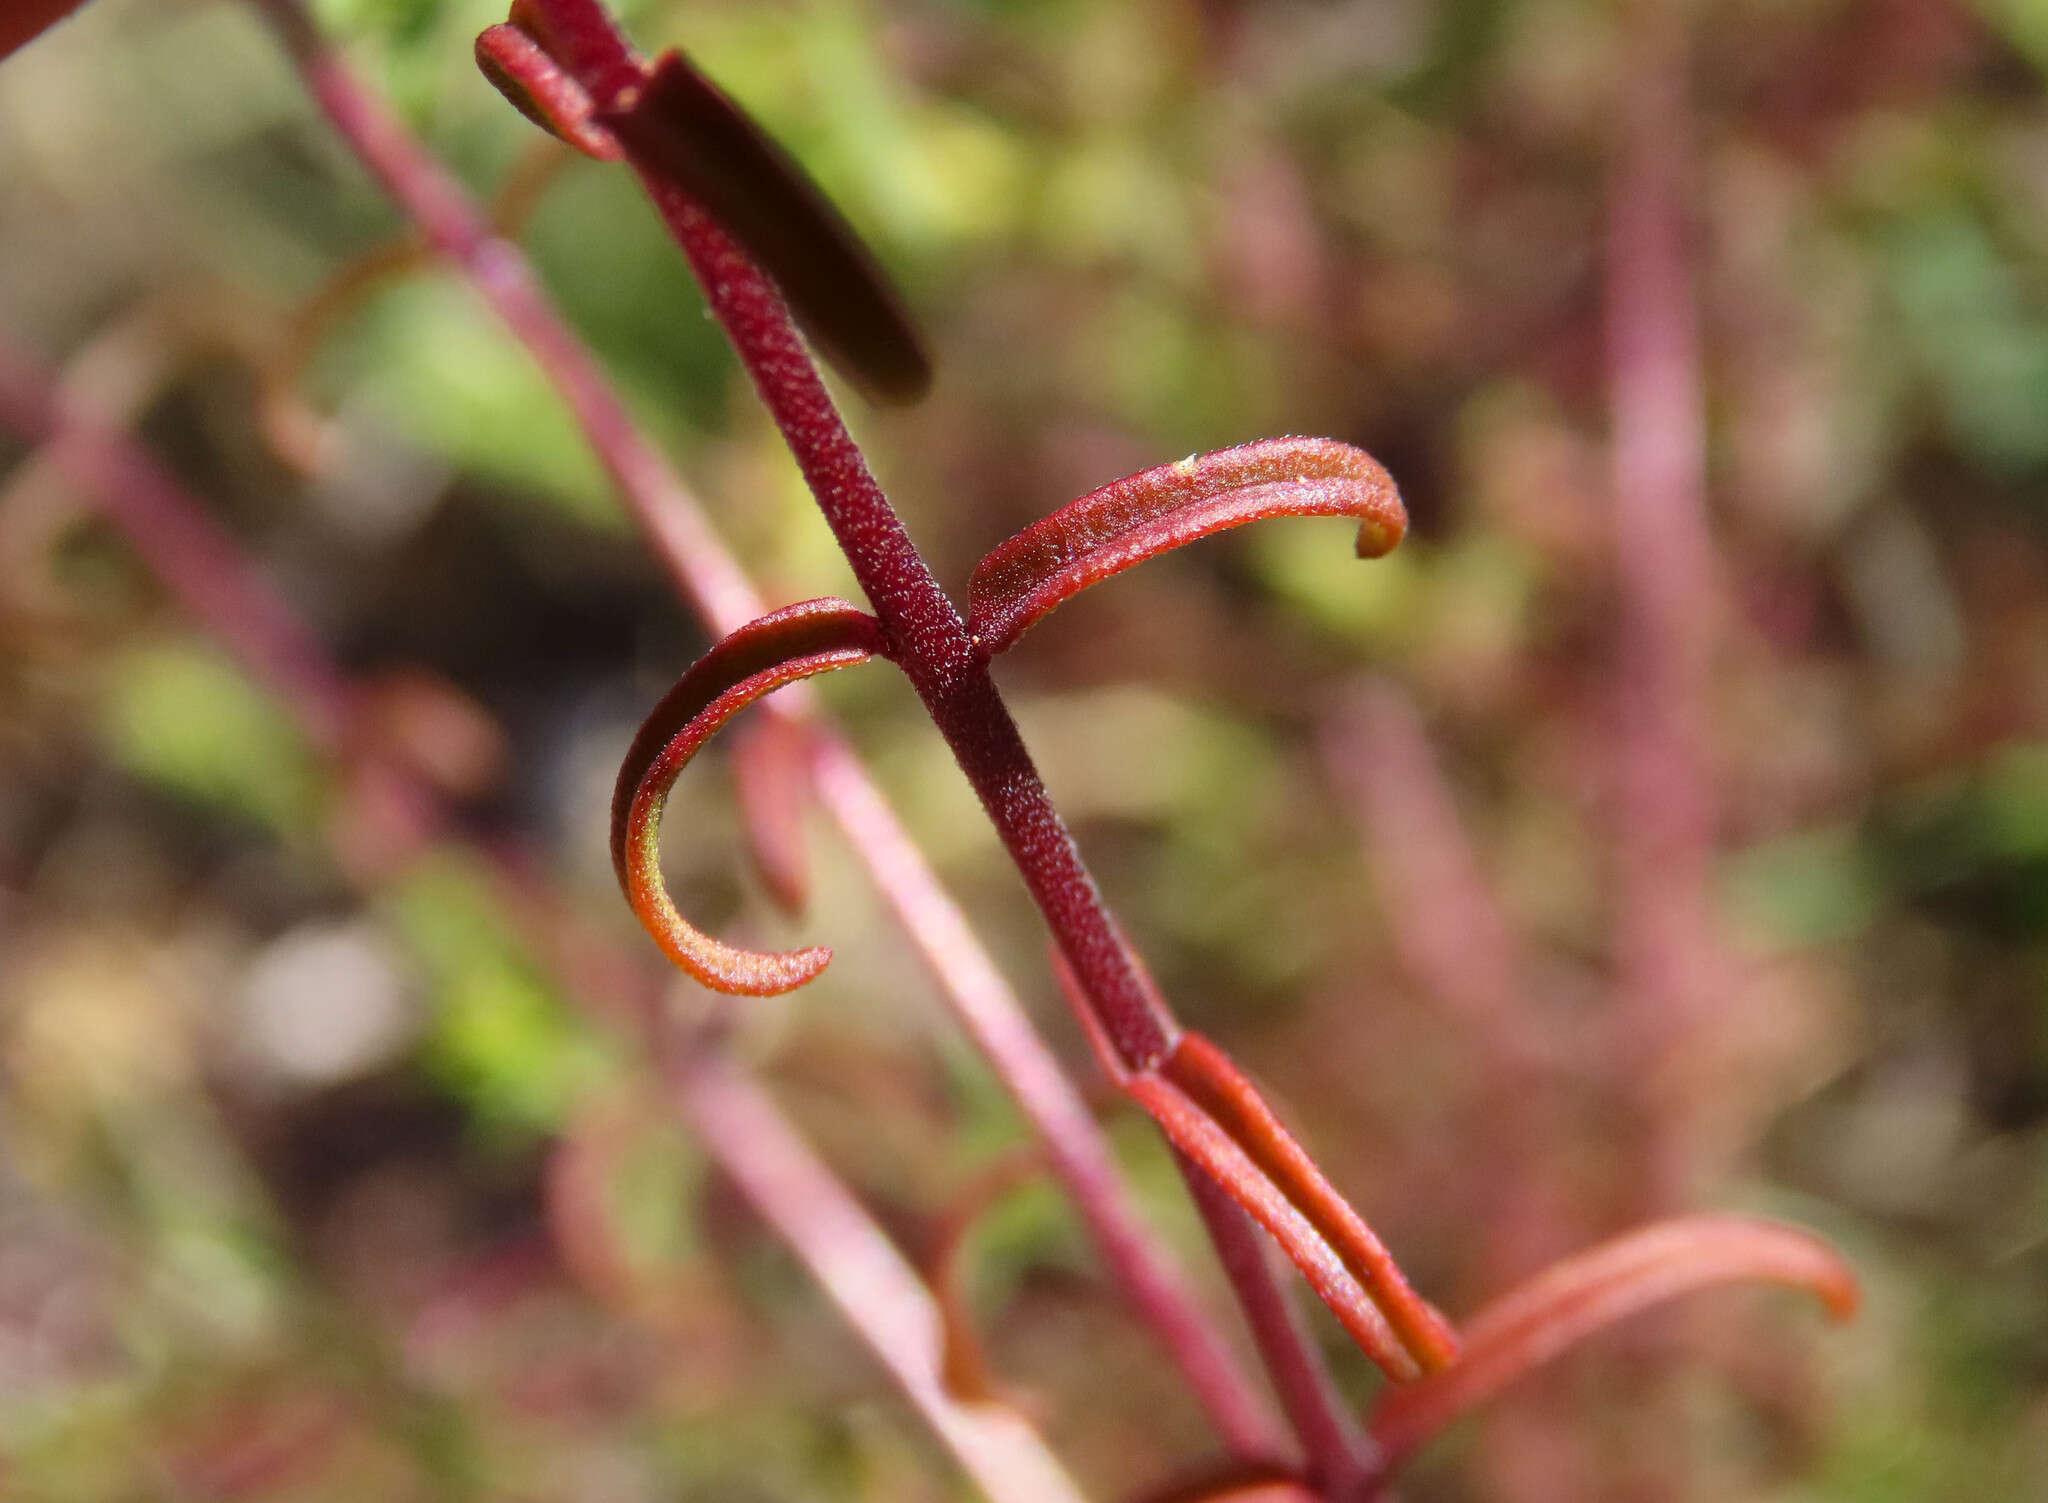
pixel 554 59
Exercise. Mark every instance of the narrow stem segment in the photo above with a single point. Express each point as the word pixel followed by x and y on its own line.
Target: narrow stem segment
pixel 858 1266
pixel 1342 1458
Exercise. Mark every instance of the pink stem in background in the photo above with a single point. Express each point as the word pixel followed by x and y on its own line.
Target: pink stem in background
pixel 859 1268
pixel 741 1129
pixel 1447 929
pixel 712 582
pixel 1662 808
pixel 1664 819
pixel 200 564
pixel 1455 942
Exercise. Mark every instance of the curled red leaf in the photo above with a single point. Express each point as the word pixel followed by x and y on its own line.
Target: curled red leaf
pixel 1142 515
pixel 520 69
pixel 1592 1290
pixel 781 647
pixel 682 129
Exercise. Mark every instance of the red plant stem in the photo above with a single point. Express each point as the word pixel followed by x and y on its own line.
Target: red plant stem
pixel 1342 1457
pixel 740 1128
pixel 1664 818
pixel 713 584
pixel 1074 1145
pixel 929 641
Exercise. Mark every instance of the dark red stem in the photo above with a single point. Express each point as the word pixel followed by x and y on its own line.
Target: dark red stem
pixel 1342 1458
pixel 928 638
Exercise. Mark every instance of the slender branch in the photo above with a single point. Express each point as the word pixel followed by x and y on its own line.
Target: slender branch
pixel 1664 821
pixel 712 582
pixel 1342 1457
pixel 752 1143
pixel 1666 956
pixel 858 1266
pixel 200 565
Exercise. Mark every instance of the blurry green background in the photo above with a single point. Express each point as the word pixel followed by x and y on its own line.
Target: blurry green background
pixel 273 1138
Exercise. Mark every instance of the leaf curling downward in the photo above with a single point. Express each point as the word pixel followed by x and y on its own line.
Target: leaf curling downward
pixel 1146 514
pixel 796 642
pixel 1591 1290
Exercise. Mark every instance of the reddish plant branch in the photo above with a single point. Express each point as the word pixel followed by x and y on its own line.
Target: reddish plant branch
pixel 1664 820
pixel 858 1266
pixel 712 583
pixel 194 559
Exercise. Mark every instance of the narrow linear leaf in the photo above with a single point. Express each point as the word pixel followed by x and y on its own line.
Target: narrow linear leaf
pixel 781 647
pixel 682 129
pixel 1212 1080
pixel 1215 1116
pixel 520 69
pixel 1146 514
pixel 1222 1158
pixel 1592 1290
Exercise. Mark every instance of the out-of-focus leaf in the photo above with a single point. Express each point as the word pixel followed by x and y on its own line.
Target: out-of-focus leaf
pixel 501 1039
pixel 1981 343
pixel 184 717
pixel 1804 889
pixel 439 369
